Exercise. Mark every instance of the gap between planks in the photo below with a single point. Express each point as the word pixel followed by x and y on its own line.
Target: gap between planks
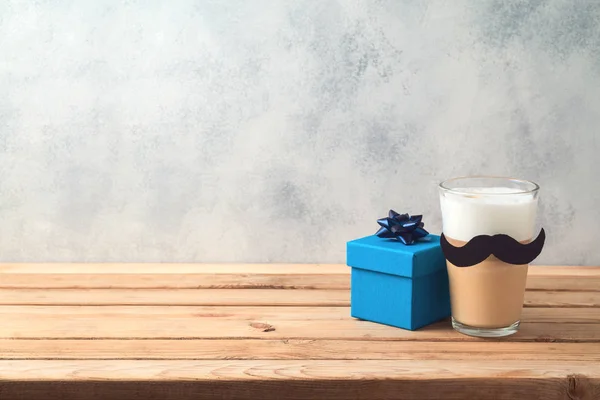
pixel 241 297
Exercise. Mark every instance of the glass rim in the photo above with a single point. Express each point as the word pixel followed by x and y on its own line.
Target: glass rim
pixel 444 185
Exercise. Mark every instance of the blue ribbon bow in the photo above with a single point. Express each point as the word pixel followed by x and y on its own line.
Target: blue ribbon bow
pixel 403 227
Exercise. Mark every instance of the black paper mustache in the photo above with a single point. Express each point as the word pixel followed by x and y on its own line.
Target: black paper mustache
pixel 502 246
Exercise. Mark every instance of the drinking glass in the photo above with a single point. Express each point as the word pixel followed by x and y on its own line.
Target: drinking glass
pixel 487 298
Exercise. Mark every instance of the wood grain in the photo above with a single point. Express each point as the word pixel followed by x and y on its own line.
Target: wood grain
pixel 291 349
pixel 159 370
pixel 302 379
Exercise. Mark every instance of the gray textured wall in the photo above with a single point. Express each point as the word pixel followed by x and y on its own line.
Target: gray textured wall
pixel 276 130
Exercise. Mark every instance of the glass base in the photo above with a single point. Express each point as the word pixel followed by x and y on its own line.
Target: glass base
pixel 485 332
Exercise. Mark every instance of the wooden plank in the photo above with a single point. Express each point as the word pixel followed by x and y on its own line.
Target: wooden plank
pixel 240 297
pixel 293 349
pixel 175 281
pixel 530 314
pixel 561 299
pixel 302 379
pixel 172 268
pixel 125 370
pixel 207 297
pixel 560 315
pixel 178 327
pixel 565 271
pixel 225 268
pixel 563 278
pixel 220 312
pixel 161 276
pixel 247 276
pixel 504 388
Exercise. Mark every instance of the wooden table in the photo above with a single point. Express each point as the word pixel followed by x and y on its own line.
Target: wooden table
pixel 173 331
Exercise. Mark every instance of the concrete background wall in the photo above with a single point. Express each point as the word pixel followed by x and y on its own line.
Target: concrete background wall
pixel 276 130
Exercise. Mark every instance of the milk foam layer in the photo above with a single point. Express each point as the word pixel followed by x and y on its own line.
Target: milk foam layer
pixel 488 211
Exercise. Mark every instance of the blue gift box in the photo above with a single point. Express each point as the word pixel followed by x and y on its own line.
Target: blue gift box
pixel 400 285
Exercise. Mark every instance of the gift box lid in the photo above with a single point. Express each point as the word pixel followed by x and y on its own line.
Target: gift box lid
pixel 393 257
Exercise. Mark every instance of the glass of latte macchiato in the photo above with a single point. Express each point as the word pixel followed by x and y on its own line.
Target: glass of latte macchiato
pixel 486 292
